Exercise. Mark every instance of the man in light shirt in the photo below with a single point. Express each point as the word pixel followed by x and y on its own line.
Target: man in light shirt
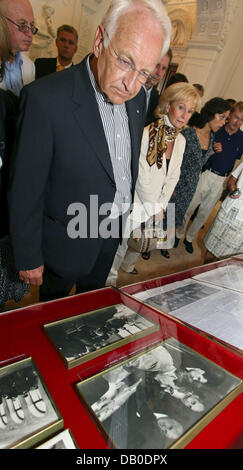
pixel 20 70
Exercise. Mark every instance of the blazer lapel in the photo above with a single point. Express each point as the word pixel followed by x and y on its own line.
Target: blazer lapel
pixel 84 104
pixel 134 119
pixel 86 112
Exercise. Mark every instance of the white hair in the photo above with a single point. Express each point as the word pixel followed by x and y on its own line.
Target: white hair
pixel 120 7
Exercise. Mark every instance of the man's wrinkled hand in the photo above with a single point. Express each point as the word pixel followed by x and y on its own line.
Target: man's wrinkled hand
pixel 32 276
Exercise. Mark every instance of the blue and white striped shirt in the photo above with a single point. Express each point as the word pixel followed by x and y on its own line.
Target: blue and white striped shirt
pixel 116 128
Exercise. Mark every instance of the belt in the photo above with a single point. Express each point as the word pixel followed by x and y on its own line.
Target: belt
pixel 218 172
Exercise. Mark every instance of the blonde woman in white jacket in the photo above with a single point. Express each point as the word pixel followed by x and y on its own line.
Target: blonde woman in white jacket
pixel 159 167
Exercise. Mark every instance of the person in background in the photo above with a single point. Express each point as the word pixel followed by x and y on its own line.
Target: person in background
pixel 231 101
pixel 199 147
pixel 150 87
pixel 84 127
pixel 159 167
pixel 225 236
pixel 10 285
pixel 177 78
pixel 8 115
pixel 228 147
pixel 67 44
pixel 19 69
pixel 199 88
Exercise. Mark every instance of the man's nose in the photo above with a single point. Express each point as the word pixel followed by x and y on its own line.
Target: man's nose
pixel 131 80
pixel 29 33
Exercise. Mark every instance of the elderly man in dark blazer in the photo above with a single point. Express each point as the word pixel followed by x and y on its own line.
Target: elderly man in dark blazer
pixel 77 148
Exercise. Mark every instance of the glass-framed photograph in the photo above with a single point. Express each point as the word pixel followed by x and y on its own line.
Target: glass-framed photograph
pixel 27 412
pixel 161 398
pixel 208 308
pixel 82 337
pixel 63 440
pixel 181 295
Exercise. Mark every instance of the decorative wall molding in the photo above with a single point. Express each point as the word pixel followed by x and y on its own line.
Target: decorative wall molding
pixel 182 14
pixel 203 30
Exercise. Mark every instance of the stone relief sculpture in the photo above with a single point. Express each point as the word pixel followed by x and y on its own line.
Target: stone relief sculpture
pixel 178 33
pixel 43 41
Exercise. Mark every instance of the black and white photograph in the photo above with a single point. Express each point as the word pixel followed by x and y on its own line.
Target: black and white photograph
pixel 83 337
pixel 27 412
pixel 63 440
pixel 159 399
pixel 181 296
pixel 215 310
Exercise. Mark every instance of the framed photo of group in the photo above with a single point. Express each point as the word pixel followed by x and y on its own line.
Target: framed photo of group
pixel 159 399
pixel 28 414
pixel 83 337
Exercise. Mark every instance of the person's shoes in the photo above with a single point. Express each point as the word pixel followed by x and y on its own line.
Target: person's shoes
pixel 188 245
pixel 165 253
pixel 176 242
pixel 146 255
pixel 134 271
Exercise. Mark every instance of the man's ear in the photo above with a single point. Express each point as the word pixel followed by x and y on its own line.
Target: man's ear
pixel 98 41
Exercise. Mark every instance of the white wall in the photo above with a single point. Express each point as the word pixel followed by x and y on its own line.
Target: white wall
pixel 215 54
pixel 227 78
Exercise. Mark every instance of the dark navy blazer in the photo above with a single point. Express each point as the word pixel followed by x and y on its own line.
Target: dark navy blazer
pixel 62 158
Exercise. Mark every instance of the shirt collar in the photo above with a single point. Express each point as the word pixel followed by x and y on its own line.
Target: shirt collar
pixel 65 66
pixel 95 85
pixel 17 62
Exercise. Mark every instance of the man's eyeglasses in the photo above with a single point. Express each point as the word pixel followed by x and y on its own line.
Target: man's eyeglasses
pixel 126 65
pixel 23 28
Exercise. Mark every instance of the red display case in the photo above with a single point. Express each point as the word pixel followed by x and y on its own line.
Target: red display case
pixel 22 333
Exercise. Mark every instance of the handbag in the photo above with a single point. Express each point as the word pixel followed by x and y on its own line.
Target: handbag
pixel 144 240
pixel 11 287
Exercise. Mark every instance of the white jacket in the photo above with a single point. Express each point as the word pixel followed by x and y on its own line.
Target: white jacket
pixel 154 185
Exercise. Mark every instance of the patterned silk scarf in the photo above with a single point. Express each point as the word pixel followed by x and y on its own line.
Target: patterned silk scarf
pixel 160 132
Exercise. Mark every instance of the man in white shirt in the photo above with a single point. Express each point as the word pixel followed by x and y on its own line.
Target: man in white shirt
pixel 20 19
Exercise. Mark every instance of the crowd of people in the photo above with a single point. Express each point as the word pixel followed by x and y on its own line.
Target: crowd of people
pixel 78 147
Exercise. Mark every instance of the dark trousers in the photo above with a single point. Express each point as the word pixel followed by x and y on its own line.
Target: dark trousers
pixel 55 287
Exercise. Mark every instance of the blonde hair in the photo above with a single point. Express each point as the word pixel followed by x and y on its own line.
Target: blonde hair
pixel 177 92
pixel 5 45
